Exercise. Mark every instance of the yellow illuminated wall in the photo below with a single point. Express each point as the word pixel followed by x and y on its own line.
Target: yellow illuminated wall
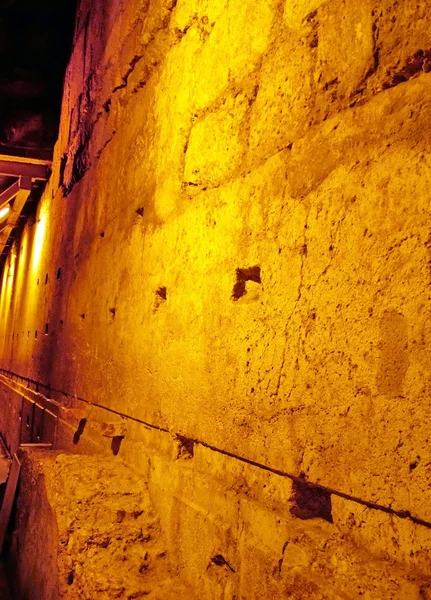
pixel 39 238
pixel 237 253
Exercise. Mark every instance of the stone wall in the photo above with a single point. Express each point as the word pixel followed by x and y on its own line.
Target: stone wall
pixel 232 260
pixel 86 529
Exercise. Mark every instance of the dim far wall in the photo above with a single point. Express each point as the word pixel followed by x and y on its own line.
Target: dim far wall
pixel 234 247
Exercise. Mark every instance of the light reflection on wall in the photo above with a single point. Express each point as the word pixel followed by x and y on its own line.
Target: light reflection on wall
pixel 3 289
pixel 19 294
pixel 2 305
pixel 39 238
pixel 21 266
pixel 6 292
pixel 11 273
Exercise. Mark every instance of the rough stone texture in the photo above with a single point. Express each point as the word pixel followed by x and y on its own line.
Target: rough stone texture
pixel 201 141
pixel 91 520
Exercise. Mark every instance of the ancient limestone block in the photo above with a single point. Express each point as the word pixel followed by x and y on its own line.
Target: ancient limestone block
pixel 215 150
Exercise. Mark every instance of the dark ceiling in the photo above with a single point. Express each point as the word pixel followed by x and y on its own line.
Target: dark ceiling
pixel 35 45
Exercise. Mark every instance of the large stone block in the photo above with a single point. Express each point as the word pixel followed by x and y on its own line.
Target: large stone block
pixel 215 148
pixel 86 529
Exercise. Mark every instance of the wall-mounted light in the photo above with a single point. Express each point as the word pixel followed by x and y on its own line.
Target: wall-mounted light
pixel 4 211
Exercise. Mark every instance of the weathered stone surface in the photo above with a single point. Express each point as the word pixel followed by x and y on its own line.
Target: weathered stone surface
pixel 207 142
pixel 114 429
pixel 214 151
pixel 90 521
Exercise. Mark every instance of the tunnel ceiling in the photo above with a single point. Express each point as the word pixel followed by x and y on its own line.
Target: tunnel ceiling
pixel 35 43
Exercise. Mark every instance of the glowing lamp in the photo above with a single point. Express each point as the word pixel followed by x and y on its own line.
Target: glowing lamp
pixel 4 211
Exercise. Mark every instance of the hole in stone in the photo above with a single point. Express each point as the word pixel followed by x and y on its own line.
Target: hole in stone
pixel 82 315
pixel 46 328
pixel 310 502
pixel 140 211
pixel 81 426
pixel 220 561
pixel 242 276
pixel 102 234
pixel 161 292
pixel 414 464
pixel 46 278
pixel 113 311
pixel 120 516
pixel 185 447
pixel 116 444
pixel 59 273
pixel 70 577
pixel 161 296
pixel 35 335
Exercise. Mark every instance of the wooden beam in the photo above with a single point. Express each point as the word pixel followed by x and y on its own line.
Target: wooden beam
pixel 13 166
pixel 12 219
pixel 26 170
pixel 9 193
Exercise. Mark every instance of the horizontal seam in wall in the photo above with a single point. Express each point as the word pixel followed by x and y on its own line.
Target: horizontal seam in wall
pixel 402 514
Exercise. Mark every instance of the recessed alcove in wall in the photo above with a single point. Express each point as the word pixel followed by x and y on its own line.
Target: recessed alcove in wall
pixel 243 275
pixel 161 295
pixel 310 502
